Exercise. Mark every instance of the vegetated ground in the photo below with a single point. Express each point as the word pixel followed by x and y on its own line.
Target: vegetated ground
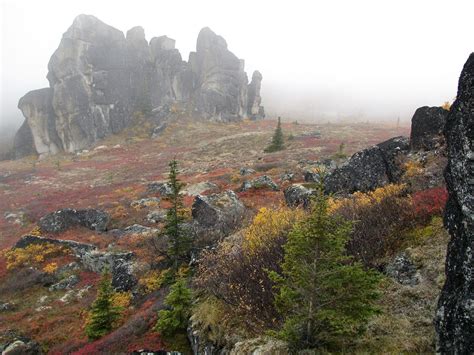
pixel 116 173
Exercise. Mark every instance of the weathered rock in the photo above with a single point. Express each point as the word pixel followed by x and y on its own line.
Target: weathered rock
pixel 120 264
pixel 67 218
pixel 161 187
pixel 311 176
pixel 403 270
pixel 66 283
pixel 157 216
pixel 217 215
pixel 100 81
pixel 287 177
pixel 7 306
pixel 145 202
pixel 261 346
pixel 455 314
pixel 262 182
pixel 254 109
pixel 369 169
pixel 246 171
pixel 427 127
pixel 199 188
pixel 297 194
pixel 13 343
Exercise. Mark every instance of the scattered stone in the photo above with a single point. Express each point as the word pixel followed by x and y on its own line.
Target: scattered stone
pixel 15 218
pixel 158 130
pixel 161 187
pixel 261 346
pixel 298 195
pixel 66 218
pixel 312 134
pixel 287 177
pixel 246 171
pixel 68 296
pixel 199 188
pixel 427 127
pixel 311 176
pixel 157 216
pixel 145 202
pixel 100 147
pixel 261 182
pixel 7 306
pixel 66 283
pixel 403 270
pixel 43 308
pixel 22 347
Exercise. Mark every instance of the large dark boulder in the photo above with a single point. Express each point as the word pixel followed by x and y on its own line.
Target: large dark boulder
pixel 369 169
pixel 298 195
pixel 455 314
pixel 427 127
pixel 66 218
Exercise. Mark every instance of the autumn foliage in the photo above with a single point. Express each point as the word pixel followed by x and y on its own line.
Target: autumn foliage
pixel 429 203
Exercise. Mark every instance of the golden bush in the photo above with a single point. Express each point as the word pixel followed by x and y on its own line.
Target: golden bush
pixel 33 255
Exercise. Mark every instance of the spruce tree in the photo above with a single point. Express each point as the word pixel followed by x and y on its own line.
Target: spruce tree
pixel 175 318
pixel 325 298
pixel 277 140
pixel 103 314
pixel 179 240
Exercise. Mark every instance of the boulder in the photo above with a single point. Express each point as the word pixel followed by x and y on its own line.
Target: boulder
pixel 7 306
pixel 261 346
pixel 199 188
pixel 369 169
pixel 298 195
pixel 66 283
pixel 145 202
pixel 255 110
pixel 66 218
pixel 161 187
pixel 157 216
pixel 246 171
pixel 217 215
pixel 427 127
pixel 262 182
pixel 455 314
pixel 403 270
pixel 14 343
pixel 288 176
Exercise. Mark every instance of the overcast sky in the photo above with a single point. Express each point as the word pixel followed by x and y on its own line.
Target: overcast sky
pixel 321 59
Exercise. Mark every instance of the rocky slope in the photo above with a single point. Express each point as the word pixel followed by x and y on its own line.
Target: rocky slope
pixel 99 78
pixel 455 315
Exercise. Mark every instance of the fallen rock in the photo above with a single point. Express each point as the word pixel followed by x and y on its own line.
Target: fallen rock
pixel 217 215
pixel 369 169
pixel 64 219
pixel 403 270
pixel 427 127
pixel 298 195
pixel 262 182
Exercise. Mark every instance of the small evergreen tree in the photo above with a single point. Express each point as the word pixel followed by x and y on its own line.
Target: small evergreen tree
pixel 324 297
pixel 179 239
pixel 277 140
pixel 103 314
pixel 176 317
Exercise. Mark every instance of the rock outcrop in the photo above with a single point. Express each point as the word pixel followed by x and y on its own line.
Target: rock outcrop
pixel 455 314
pixel 427 127
pixel 66 218
pixel 99 79
pixel 369 169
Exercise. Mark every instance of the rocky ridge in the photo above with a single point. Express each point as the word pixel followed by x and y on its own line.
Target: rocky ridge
pixel 100 79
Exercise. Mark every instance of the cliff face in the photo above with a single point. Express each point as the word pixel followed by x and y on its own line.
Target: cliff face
pixel 98 78
pixel 455 315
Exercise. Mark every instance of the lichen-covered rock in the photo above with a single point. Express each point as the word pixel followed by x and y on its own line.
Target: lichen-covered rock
pixel 145 202
pixel 199 188
pixel 156 216
pixel 427 127
pixel 161 187
pixel 455 314
pixel 298 195
pixel 99 80
pixel 403 270
pixel 369 169
pixel 216 215
pixel 65 283
pixel 246 171
pixel 13 343
pixel 262 182
pixel 66 218
pixel 261 346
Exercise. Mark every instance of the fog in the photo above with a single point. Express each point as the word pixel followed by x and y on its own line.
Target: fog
pixel 320 60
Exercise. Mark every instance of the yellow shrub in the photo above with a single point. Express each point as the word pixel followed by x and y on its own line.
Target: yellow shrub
pixel 153 280
pixel 413 168
pixel 33 255
pixel 121 300
pixel 36 231
pixel 50 268
pixel 269 224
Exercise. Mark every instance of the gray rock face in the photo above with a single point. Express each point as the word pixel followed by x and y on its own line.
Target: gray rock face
pixel 100 78
pixel 369 169
pixel 13 343
pixel 427 127
pixel 66 218
pixel 23 144
pixel 455 314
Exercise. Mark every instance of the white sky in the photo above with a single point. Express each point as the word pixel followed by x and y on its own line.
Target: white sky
pixel 374 59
